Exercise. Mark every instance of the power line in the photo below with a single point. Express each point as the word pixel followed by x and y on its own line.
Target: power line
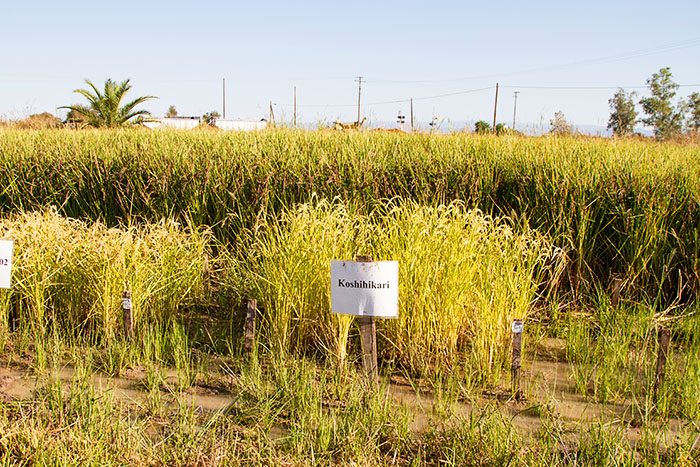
pixel 670 47
pixel 470 91
pixel 398 101
pixel 592 87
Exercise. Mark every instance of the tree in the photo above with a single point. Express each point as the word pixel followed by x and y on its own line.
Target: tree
pixel 105 109
pixel 694 108
pixel 559 125
pixel 482 127
pixel 623 114
pixel 40 122
pixel 77 118
pixel 172 112
pixel 666 119
pixel 209 117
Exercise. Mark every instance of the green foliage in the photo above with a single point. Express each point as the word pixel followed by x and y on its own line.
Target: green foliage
pixel 482 127
pixel 209 117
pixel 501 129
pixel 694 110
pixel 623 115
pixel 666 119
pixel 105 109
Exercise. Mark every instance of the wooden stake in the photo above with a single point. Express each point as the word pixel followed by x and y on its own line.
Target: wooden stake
pixel 128 317
pixel 617 288
pixel 517 329
pixel 664 339
pixel 251 314
pixel 368 333
pixel 495 106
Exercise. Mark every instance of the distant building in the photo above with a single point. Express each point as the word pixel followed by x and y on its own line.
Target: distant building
pixel 178 123
pixel 240 125
pixel 189 123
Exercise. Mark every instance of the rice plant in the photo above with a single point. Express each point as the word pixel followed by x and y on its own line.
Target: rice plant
pixel 463 277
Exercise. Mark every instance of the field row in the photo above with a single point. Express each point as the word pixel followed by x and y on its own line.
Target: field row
pixel 618 209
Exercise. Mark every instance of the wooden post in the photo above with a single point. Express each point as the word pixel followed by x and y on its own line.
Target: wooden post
pixel 617 288
pixel 495 106
pixel 517 329
pixel 128 317
pixel 13 316
pixel 368 333
pixel 251 314
pixel 664 339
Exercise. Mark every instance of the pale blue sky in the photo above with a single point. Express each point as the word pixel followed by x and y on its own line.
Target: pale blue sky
pixel 180 51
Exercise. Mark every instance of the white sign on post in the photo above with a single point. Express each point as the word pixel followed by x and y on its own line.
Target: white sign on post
pixel 517 326
pixel 365 289
pixel 6 248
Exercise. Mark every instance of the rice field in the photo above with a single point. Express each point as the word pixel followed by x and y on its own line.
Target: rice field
pixel 486 229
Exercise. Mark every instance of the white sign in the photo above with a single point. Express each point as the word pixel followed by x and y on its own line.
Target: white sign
pixel 365 289
pixel 518 326
pixel 6 247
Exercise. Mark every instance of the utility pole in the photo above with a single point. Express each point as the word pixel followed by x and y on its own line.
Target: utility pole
pixel 495 105
pixel 411 115
pixel 515 106
pixel 272 115
pixel 359 92
pixel 224 100
pixel 295 106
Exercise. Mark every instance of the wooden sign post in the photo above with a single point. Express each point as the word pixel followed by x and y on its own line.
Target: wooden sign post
pixel 128 317
pixel 617 288
pixel 368 335
pixel 251 315
pixel 517 329
pixel 367 289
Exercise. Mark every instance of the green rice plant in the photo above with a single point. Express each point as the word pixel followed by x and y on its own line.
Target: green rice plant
pixel 181 352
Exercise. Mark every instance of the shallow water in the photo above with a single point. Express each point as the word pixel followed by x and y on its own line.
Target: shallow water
pixel 546 383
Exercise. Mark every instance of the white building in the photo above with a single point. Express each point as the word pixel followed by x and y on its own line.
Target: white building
pixel 189 123
pixel 178 123
pixel 240 125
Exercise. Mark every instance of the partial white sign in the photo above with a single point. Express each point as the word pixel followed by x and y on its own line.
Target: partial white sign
pixel 365 289
pixel 6 249
pixel 517 326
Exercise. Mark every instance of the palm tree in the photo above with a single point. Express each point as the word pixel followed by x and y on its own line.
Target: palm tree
pixel 105 109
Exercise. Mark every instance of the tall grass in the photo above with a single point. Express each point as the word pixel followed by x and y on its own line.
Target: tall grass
pixel 618 207
pixel 463 277
pixel 68 275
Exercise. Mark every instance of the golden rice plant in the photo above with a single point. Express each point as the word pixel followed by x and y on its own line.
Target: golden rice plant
pixel 69 275
pixel 463 276
pixel 288 272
